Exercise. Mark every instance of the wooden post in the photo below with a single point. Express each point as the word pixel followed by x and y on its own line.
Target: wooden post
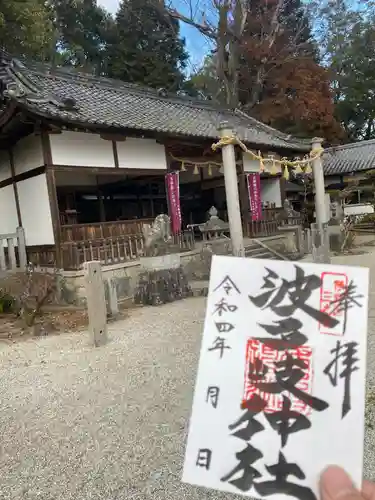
pixel 102 215
pixel 96 304
pixel 11 254
pixel 151 200
pixel 52 195
pixel 15 189
pixel 22 256
pixel 244 201
pixel 231 191
pixel 112 298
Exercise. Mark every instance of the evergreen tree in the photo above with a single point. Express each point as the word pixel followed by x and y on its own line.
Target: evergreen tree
pixel 26 28
pixel 84 33
pixel 146 48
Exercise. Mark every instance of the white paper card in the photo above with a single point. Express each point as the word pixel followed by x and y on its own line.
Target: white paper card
pixel 280 388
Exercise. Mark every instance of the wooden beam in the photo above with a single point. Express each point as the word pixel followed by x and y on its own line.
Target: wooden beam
pixel 115 154
pixel 113 137
pixel 151 200
pixel 52 195
pixel 244 197
pixel 102 215
pixel 15 189
pixel 109 171
pixel 282 190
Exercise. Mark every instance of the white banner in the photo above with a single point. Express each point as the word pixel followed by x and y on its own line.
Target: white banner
pixel 280 388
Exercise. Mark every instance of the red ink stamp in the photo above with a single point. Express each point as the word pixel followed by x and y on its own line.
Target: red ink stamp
pixel 334 286
pixel 261 357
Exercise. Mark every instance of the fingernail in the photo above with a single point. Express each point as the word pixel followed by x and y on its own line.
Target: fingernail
pixel 335 482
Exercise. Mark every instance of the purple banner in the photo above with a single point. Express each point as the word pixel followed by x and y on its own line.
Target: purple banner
pixel 173 193
pixel 253 187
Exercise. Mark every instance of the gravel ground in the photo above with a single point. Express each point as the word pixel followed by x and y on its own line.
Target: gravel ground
pixel 110 423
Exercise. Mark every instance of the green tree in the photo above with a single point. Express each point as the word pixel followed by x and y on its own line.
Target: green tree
pixel 84 32
pixel 346 37
pixel 146 48
pixel 26 28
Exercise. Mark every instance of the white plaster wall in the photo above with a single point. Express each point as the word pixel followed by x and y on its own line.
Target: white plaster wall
pixel 81 149
pixel 5 171
pixel 141 154
pixel 35 211
pixel 8 210
pixel 252 166
pixel 270 191
pixel 28 154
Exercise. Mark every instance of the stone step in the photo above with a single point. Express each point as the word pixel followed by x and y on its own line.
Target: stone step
pixel 258 252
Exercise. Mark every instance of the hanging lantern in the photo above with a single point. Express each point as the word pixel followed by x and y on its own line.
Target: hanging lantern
pixel 209 170
pixel 196 170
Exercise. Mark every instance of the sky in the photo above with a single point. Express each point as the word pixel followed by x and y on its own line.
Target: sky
pixel 196 44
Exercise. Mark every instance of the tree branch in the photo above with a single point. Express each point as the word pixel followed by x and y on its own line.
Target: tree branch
pixel 205 29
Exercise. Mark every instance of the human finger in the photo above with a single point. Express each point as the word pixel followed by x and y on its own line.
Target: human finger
pixel 368 490
pixel 336 484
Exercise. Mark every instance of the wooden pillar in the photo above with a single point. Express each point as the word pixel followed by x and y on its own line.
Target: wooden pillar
pixel 244 199
pixel 52 195
pixel 282 190
pixel 151 200
pixel 102 215
pixel 15 189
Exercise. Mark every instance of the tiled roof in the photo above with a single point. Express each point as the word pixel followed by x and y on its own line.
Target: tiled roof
pixel 349 158
pixel 82 99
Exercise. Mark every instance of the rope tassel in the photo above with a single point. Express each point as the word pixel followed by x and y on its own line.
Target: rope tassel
pixel 286 173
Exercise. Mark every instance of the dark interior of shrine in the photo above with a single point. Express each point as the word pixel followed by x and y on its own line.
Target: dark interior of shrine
pixel 138 198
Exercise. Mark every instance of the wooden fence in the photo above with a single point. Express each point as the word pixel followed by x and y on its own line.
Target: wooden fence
pixel 115 250
pixel 264 228
pixel 102 230
pixel 13 251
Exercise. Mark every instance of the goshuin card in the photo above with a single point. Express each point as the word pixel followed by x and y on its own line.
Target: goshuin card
pixel 280 390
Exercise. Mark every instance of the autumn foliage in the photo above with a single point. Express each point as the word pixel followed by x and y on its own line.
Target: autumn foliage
pixel 296 98
pixel 281 80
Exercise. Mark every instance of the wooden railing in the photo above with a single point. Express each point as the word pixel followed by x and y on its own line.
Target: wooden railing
pixel 116 250
pixel 101 230
pixel 107 251
pixel 264 228
pixel 13 251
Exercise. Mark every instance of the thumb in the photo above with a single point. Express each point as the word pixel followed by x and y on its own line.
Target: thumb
pixel 335 484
